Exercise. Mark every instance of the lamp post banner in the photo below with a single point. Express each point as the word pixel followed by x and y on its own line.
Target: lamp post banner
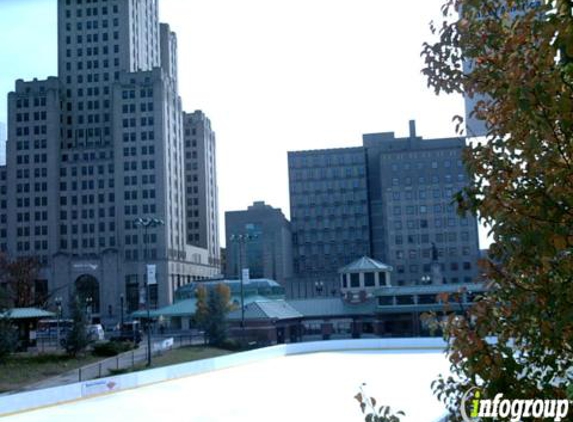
pixel 151 274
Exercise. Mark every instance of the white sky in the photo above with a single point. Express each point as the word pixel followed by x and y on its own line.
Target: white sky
pixel 273 76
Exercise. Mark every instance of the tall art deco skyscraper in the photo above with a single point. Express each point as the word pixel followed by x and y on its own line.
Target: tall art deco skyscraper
pixel 96 148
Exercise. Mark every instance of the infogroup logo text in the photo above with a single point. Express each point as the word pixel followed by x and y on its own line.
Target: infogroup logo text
pixel 475 408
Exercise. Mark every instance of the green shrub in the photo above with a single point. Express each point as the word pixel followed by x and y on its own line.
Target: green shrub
pixel 112 348
pixel 8 338
pixel 232 345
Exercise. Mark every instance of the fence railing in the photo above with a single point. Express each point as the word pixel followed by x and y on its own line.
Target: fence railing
pixel 132 358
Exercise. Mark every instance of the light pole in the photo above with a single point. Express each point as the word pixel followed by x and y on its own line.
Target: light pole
pixel 425 279
pixel 146 223
pixel 241 240
pixel 89 301
pixel 58 301
pixel 121 311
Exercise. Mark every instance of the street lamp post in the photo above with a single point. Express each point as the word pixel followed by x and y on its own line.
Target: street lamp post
pixel 89 301
pixel 146 223
pixel 121 311
pixel 58 301
pixel 241 240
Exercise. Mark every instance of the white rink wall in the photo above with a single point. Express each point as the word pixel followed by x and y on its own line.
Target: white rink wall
pixel 411 357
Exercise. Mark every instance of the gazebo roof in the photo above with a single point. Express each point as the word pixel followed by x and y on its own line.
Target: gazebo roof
pixel 365 264
pixel 267 309
pixel 26 313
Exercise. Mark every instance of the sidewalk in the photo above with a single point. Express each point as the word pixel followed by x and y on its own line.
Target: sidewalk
pixel 122 361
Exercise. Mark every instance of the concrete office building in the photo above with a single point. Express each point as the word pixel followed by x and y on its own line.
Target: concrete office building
pixel 389 199
pixel 91 151
pixel 268 252
pixel 202 194
pixel 329 216
pixel 329 209
pixel 414 223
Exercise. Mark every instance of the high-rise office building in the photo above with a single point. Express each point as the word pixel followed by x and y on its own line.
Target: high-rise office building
pixel 259 239
pixel 390 199
pixel 201 185
pixel 95 149
pixel 413 220
pixel 329 209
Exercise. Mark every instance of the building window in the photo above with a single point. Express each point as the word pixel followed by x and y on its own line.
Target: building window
pixel 354 280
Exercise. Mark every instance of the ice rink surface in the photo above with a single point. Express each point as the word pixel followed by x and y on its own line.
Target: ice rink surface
pixel 309 387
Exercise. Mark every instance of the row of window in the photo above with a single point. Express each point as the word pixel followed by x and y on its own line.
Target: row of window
pixel 25 231
pixel 86 199
pixel 327 173
pixel 421 165
pixel 350 222
pixel 145 209
pixel 433 179
pixel 342 185
pixel 438 223
pixel 325 201
pixel 91 24
pixel 427 253
pixel 25 102
pixel 74 213
pixel 88 156
pixel 24 217
pixel 79 3
pixel 132 122
pixel 38 245
pixel 25 173
pixel 87 184
pixel 131 108
pixel 427 268
pixel 86 228
pixel 424 209
pixel 145 194
pixel 450 237
pixel 133 254
pixel 313 236
pixel 330 213
pixel 86 243
pixel 34 130
pixel 26 117
pixel 145 165
pixel 85 170
pixel 25 159
pixel 25 145
pixel 145 180
pixel 143 93
pixel 324 160
pixel 143 136
pixel 25 187
pixel 39 201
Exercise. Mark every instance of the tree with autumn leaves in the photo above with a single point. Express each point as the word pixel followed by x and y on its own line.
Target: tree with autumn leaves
pixel 18 278
pixel 211 312
pixel 521 186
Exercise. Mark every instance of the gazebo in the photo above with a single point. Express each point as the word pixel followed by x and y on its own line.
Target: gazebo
pixel 359 279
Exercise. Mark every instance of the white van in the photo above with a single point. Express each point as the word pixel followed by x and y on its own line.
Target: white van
pixel 95 332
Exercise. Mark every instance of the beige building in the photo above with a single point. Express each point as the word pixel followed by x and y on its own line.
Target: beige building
pixel 96 148
pixel 201 185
